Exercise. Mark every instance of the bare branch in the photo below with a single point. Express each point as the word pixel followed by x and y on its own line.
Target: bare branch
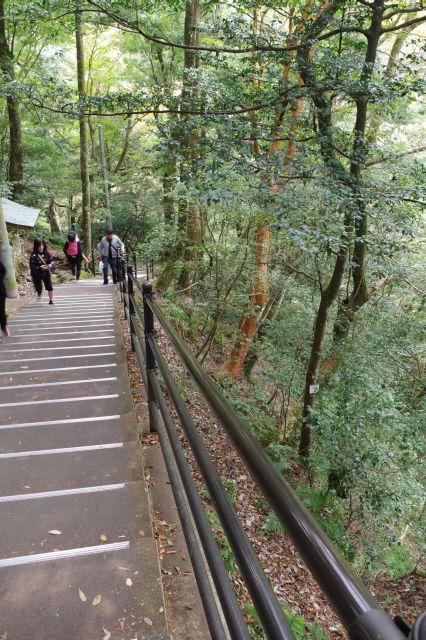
pixel 341 153
pixel 267 48
pixel 192 112
pixel 407 152
pixel 403 25
pixel 423 293
pixel 398 12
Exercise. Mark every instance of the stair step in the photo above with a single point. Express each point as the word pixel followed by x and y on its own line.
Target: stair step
pixel 100 402
pixel 57 372
pixel 34 361
pixel 117 514
pixel 68 433
pixel 90 385
pixel 41 600
pixel 68 470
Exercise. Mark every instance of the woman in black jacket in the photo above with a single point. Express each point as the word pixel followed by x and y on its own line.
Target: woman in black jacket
pixel 74 253
pixel 40 265
pixel 3 316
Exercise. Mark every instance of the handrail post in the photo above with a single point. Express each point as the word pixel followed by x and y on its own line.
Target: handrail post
pixel 135 264
pixel 131 310
pixel 123 285
pixel 92 263
pixel 150 358
pixel 120 277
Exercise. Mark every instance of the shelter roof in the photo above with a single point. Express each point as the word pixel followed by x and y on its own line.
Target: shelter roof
pixel 19 214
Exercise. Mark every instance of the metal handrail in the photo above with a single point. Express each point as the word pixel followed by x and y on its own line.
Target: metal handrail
pixel 179 482
pixel 269 609
pixel 220 577
pixel 354 604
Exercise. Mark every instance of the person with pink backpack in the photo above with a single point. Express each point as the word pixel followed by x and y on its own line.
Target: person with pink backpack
pixel 74 253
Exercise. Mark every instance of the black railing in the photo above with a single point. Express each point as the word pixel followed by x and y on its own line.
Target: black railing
pixel 353 603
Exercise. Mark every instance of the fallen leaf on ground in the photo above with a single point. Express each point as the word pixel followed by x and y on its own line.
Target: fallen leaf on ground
pixel 55 532
pixel 107 635
pixel 103 537
pixel 129 582
pixel 148 621
pixel 82 595
pixel 96 600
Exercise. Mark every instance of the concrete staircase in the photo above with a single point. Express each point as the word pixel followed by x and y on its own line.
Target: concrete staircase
pixel 78 560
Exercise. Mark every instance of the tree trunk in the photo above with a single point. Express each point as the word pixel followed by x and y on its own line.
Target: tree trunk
pixel 92 132
pixel 53 217
pixel 328 297
pixel 190 136
pixel 84 145
pixel 15 174
pixel 233 365
pixel 120 163
pixel 180 263
pixel 360 293
pixel 360 290
pixel 169 177
pixel 270 314
pixel 248 324
pixel 173 267
pixel 193 242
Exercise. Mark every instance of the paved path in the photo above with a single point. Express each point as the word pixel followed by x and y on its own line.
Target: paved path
pixel 77 556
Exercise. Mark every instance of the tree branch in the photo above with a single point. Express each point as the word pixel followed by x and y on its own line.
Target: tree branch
pixel 407 152
pixel 145 112
pixel 398 27
pixel 399 12
pixel 267 48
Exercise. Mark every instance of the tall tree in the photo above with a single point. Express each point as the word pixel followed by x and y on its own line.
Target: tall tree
pixel 190 218
pixel 84 143
pixel 15 171
pixel 186 249
pixel 355 217
pixel 260 284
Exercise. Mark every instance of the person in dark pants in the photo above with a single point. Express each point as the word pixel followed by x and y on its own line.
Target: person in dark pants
pixel 40 265
pixel 3 317
pixel 110 247
pixel 74 253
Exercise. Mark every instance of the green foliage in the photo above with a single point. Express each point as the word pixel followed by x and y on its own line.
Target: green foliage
pixel 184 320
pixel 368 423
pixel 54 240
pixel 302 629
pixel 230 488
pixel 280 454
pixel 254 410
pixel 397 562
pixel 273 524
pixel 222 542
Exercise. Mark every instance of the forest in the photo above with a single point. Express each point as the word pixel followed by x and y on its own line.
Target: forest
pixel 269 158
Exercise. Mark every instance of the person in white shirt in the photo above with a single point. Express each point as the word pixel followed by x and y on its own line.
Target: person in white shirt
pixel 110 248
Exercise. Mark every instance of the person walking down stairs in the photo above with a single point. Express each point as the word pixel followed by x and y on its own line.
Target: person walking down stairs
pixel 74 253
pixel 41 264
pixel 3 315
pixel 110 248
